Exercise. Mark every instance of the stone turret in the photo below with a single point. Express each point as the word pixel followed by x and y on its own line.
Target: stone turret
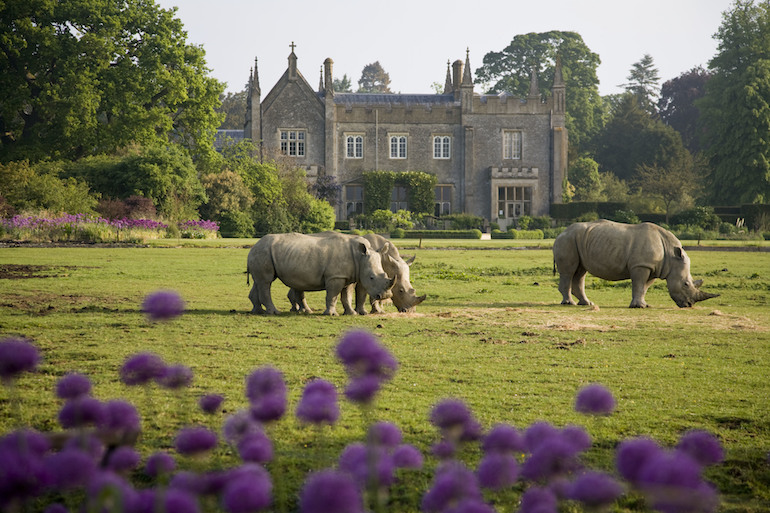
pixel 448 81
pixel 466 88
pixel 559 89
pixel 328 80
pixel 252 128
pixel 534 88
pixel 292 63
pixel 457 78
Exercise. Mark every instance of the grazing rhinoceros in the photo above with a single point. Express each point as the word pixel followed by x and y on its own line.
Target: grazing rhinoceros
pixel 404 297
pixel 615 251
pixel 305 262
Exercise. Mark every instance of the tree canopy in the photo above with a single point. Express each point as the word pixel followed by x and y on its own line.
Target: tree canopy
pixel 643 82
pixel 342 85
pixel 677 108
pixel 234 109
pixel 374 79
pixel 509 71
pixel 735 112
pixel 85 77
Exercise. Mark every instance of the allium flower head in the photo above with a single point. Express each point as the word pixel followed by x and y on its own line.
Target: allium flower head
pixel 633 454
pixel 238 425
pixel 159 463
pixel 407 456
pixel 255 447
pixel 360 460
pixel 702 446
pixel 594 399
pixel 471 506
pixel 328 491
pixel 16 356
pixel 141 368
pixel 537 500
pixel 83 411
pixel 595 489
pixel 266 391
pixel 87 442
pixel 449 414
pixel 123 459
pixel 443 450
pixel 577 436
pixel 28 441
pixel 23 475
pixel 195 440
pixel 73 385
pixel 452 483
pixel 550 459
pixel 70 468
pixel 180 501
pixel 672 483
pixel 363 389
pixel 385 434
pixel 318 403
pixel 111 486
pixel 121 418
pixel 539 433
pixel 186 480
pixel 175 377
pixel 211 403
pixel 362 354
pixel 163 305
pixel 503 438
pixel 247 491
pixel 498 470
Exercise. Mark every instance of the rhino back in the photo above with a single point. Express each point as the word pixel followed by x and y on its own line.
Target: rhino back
pixel 305 262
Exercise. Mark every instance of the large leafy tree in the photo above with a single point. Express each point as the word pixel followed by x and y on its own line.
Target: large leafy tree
pixel 735 112
pixel 374 79
pixel 643 82
pixel 677 108
pixel 234 109
pixel 84 77
pixel 342 85
pixel 510 70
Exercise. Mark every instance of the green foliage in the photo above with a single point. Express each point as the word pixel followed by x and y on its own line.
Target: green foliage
pixel 735 113
pixel 233 108
pixel 567 211
pixel 586 217
pixel 420 190
pixel 465 221
pixel 319 218
pixel 397 233
pixel 509 70
pixel 442 234
pixel 643 82
pixel 677 105
pixel 374 79
pixel 584 175
pixel 27 189
pixel 613 188
pixel 624 216
pixel 698 217
pixel 378 186
pixel 342 85
pixel 673 185
pixel 83 78
pixel 226 192
pixel 235 223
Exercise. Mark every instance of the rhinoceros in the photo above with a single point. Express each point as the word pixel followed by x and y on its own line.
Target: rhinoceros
pixel 404 297
pixel 615 251
pixel 304 262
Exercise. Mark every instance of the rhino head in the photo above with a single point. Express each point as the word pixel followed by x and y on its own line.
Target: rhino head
pixel 681 287
pixel 370 272
pixel 404 297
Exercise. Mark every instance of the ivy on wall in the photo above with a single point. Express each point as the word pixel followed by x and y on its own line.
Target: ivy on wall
pixel 378 186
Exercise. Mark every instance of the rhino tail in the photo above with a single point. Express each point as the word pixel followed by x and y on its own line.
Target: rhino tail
pixel 554 267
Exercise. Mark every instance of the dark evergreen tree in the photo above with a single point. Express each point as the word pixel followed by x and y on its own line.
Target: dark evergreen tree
pixel 374 79
pixel 643 82
pixel 677 105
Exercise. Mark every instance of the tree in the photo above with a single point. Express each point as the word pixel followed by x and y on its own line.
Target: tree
pixel 27 188
pixel 234 110
pixel 342 85
pixel 677 108
pixel 735 113
pixel 510 69
pixel 374 79
pixel 643 83
pixel 85 77
pixel 327 189
pixel 584 175
pixel 671 184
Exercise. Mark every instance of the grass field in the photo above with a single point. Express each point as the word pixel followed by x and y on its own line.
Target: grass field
pixel 491 332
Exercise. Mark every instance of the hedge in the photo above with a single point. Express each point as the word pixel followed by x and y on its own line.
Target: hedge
pixel 578 208
pixel 518 234
pixel 442 234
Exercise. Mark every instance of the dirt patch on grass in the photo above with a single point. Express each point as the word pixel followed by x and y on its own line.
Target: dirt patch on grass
pixel 23 272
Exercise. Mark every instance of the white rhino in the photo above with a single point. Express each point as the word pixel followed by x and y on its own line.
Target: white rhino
pixel 305 262
pixel 404 297
pixel 615 251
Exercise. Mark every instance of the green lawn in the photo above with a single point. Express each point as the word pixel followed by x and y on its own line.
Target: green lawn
pixel 490 332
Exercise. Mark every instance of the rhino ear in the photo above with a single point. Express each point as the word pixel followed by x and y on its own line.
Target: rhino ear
pixel 362 248
pixel 410 261
pixel 678 253
pixel 697 283
pixel 384 250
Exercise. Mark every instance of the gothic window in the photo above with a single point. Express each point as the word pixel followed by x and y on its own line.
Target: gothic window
pixel 398 199
pixel 354 146
pixel 511 145
pixel 514 202
pixel 443 204
pixel 293 143
pixel 441 147
pixel 354 200
pixel 398 146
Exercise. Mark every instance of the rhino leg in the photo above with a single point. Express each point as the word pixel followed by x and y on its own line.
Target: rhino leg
pixel 565 285
pixel 360 299
pixel 346 296
pixel 254 297
pixel 640 282
pixel 298 301
pixel 579 286
pixel 333 290
pixel 377 306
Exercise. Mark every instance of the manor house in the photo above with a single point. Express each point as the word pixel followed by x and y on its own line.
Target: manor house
pixel 495 156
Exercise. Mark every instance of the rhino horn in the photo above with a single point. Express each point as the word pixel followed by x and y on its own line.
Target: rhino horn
pixel 702 296
pixel 420 299
pixel 410 261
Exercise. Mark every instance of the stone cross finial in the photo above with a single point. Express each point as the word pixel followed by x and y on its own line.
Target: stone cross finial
pixel 292 45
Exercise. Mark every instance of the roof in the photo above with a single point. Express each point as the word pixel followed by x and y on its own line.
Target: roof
pixel 393 99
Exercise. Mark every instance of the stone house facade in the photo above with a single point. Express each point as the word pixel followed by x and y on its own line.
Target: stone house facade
pixel 494 156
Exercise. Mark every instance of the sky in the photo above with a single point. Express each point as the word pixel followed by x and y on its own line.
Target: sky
pixel 414 39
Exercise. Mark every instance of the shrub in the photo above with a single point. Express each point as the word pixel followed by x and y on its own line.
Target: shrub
pixel 552 233
pixel 700 217
pixel 624 216
pixel 587 217
pixel 320 218
pixel 526 234
pixel 397 233
pixel 442 234
pixel 465 221
pixel 236 224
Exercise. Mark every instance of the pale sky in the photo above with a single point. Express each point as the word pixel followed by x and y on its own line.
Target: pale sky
pixel 413 40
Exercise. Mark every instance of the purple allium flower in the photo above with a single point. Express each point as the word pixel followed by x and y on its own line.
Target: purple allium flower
pixel 82 411
pixel 471 506
pixel 595 489
pixel 23 474
pixel 16 356
pixel 266 391
pixel 450 413
pixel 123 459
pixel 594 399
pixel 120 419
pixel 87 442
pixel 550 459
pixel 176 500
pixel 211 403
pixel 255 447
pixel 175 376
pixel 672 483
pixel 214 482
pixel 159 464
pixel 632 455
pixel 362 354
pixel 497 471
pixel 577 436
pixel 359 460
pixel 539 433
pixel 108 491
pixel 70 468
pixel 163 305
pixel 702 446
pixel 362 389
pixel 407 456
pixel 195 440
pixel 451 484
pixel 56 507
pixel 247 491
pixel 141 368
pixel 318 403
pixel 186 480
pixel 239 424
pixel 385 434
pixel 443 450
pixel 73 385
pixel 28 441
pixel 328 491
pixel 537 500
pixel 472 431
pixel 503 438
